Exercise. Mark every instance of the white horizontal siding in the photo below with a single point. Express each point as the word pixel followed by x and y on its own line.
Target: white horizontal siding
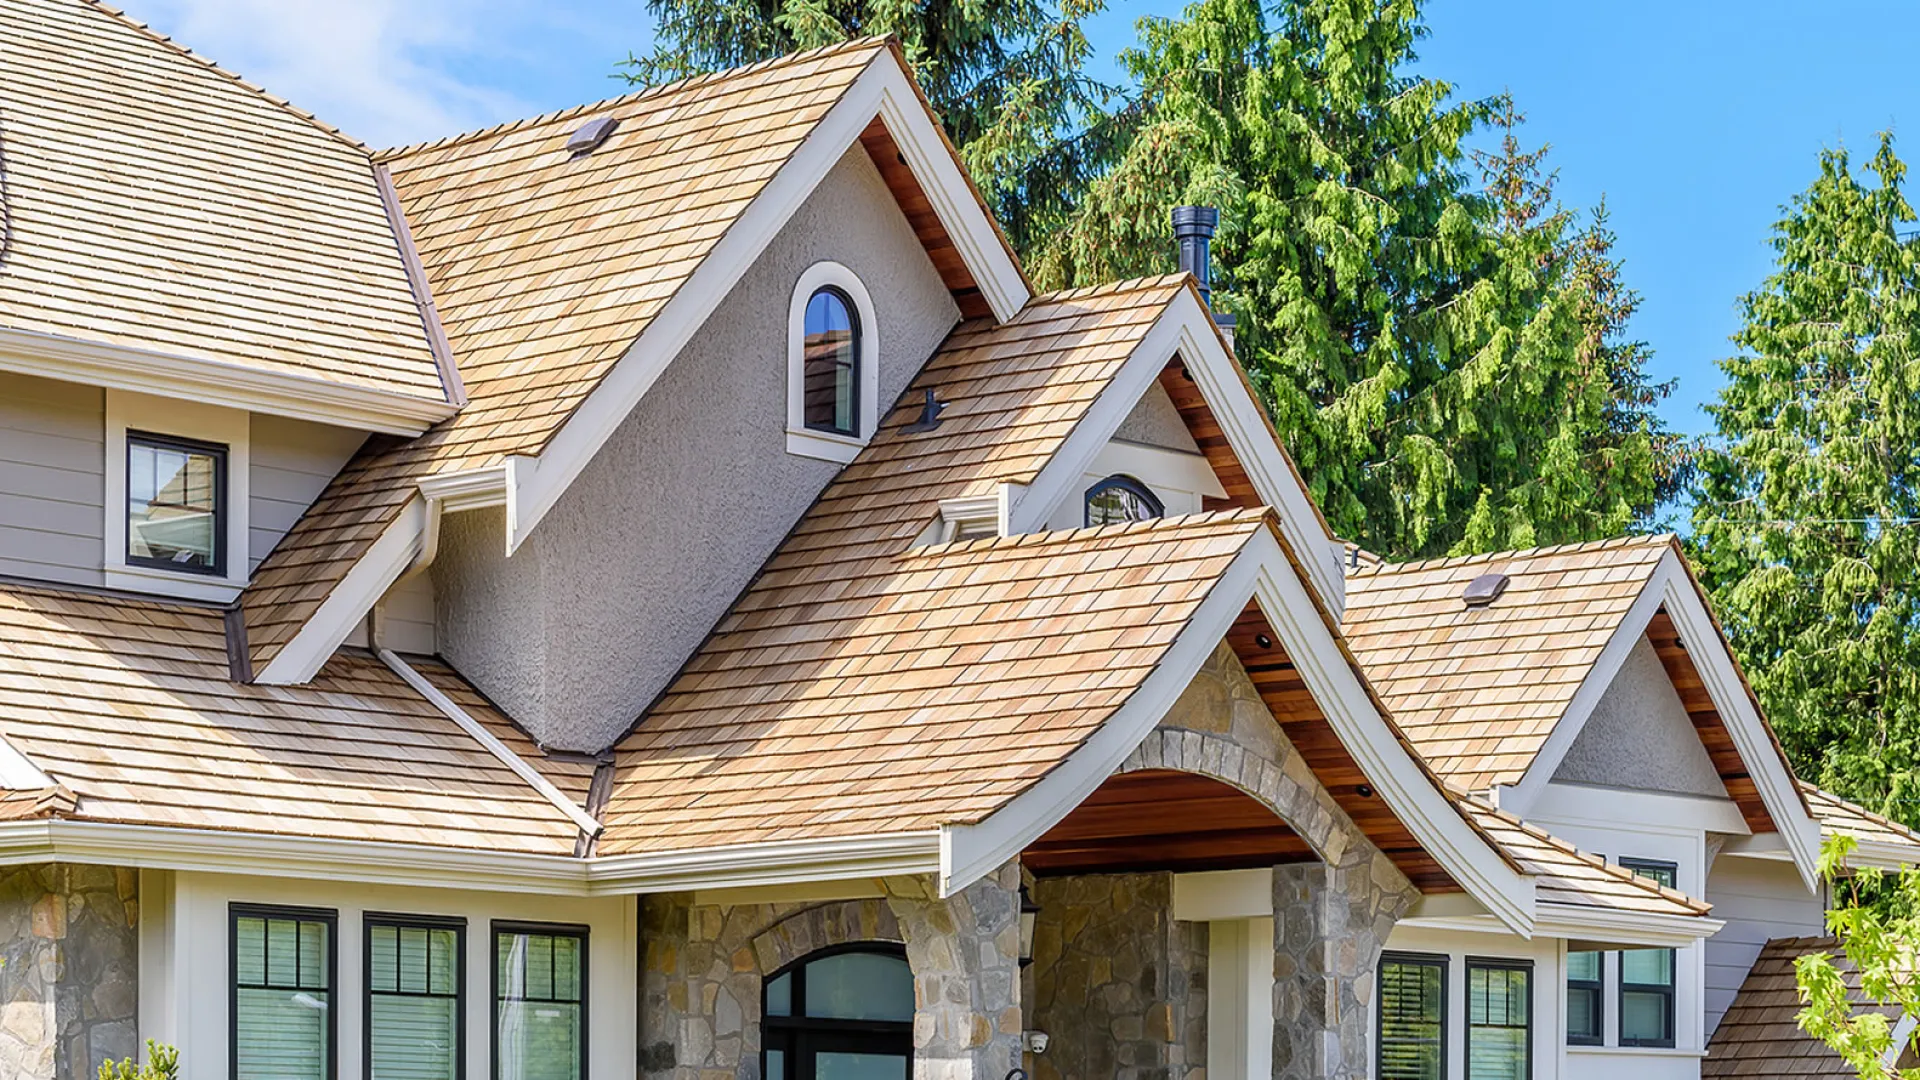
pixel 52 483
pixel 292 461
pixel 406 617
pixel 1760 900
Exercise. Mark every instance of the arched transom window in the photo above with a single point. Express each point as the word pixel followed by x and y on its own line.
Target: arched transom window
pixel 832 363
pixel 1120 499
pixel 840 1014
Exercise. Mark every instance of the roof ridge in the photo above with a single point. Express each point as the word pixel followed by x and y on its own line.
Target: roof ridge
pixel 1105 288
pixel 142 28
pixel 1659 539
pixel 393 153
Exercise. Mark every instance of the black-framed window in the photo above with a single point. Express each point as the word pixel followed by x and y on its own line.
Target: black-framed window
pixel 1586 998
pixel 830 363
pixel 1499 1019
pixel 282 966
pixel 415 997
pixel 1121 499
pixel 841 1012
pixel 1647 975
pixel 539 1001
pixel 1411 1041
pixel 176 504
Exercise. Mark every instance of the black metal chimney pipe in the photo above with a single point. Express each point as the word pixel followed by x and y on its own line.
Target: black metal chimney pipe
pixel 1193 228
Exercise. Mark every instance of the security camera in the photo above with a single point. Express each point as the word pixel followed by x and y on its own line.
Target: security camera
pixel 1037 1041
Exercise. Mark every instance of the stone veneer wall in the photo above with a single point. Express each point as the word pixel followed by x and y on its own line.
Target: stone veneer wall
pixel 704 967
pixel 1119 986
pixel 69 969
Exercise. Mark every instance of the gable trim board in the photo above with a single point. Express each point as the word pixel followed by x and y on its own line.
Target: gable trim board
pixel 398 550
pixel 215 382
pixel 1672 588
pixel 1585 927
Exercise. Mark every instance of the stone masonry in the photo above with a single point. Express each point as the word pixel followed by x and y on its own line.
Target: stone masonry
pixel 1118 984
pixel 705 966
pixel 69 969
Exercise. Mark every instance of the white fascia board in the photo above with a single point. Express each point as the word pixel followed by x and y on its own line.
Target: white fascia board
pixel 469 489
pixel 1186 469
pixel 1409 791
pixel 1599 927
pixel 213 382
pixel 771 864
pixel 881 90
pixel 1520 799
pixel 390 556
pixel 1881 855
pixel 1599 807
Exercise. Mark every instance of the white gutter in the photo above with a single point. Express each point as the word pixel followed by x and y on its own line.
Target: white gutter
pixel 494 746
pixel 778 863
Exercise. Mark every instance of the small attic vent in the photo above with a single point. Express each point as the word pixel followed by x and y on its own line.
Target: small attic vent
pixel 1484 589
pixel 588 136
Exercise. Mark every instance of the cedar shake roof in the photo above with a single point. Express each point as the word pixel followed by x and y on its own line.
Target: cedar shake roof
pixel 1837 815
pixel 545 268
pixel 1566 875
pixel 127 704
pixel 1478 690
pixel 152 200
pixel 1759 1038
pixel 42 802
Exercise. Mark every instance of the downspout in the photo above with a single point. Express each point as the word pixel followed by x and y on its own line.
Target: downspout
pixel 452 711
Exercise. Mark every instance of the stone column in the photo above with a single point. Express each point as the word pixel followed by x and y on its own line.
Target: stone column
pixel 1330 923
pixel 69 969
pixel 965 952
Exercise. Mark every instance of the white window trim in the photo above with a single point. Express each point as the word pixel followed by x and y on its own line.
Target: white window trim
pixel 200 422
pixel 801 440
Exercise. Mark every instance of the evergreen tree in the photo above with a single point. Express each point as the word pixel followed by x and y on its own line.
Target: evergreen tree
pixel 1007 77
pixel 1447 361
pixel 1807 524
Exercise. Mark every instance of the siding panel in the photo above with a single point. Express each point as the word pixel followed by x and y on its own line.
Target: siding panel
pixel 291 462
pixel 1760 900
pixel 52 484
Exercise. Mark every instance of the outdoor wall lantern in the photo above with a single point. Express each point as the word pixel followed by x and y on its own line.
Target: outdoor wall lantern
pixel 1029 912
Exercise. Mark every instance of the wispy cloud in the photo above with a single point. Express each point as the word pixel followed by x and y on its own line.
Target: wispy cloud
pixel 399 71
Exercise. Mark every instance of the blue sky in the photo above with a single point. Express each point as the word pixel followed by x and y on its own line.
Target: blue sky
pixel 1696 119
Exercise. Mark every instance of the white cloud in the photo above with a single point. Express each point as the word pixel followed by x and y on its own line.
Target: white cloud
pixel 389 72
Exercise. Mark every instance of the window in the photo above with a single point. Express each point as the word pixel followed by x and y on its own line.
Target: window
pixel 539 1001
pixel 176 504
pixel 1499 1028
pixel 832 363
pixel 1646 976
pixel 845 1014
pixel 1120 499
pixel 1413 1011
pixel 416 969
pixel 281 1017
pixel 1586 996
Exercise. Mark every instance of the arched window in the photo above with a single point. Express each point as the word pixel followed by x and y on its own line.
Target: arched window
pixel 1120 499
pixel 831 363
pixel 839 1014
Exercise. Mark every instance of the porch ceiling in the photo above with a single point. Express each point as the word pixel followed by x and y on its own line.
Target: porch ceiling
pixel 1158 819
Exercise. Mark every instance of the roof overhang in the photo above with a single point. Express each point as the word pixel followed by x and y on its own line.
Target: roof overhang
pixel 1582 927
pixel 214 382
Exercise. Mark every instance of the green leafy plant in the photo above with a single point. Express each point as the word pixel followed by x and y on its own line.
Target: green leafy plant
pixel 163 1063
pixel 1875 920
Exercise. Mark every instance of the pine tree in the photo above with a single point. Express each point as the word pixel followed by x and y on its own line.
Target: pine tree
pixel 1807 525
pixel 1448 362
pixel 1008 78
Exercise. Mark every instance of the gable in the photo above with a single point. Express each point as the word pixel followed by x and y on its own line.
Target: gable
pixel 1639 736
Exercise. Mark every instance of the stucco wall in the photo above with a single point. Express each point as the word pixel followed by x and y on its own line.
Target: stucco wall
pixel 625 576
pixel 1156 422
pixel 69 969
pixel 1639 736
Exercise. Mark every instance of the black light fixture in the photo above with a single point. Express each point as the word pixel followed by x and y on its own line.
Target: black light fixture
pixel 1029 914
pixel 1365 791
pixel 1263 641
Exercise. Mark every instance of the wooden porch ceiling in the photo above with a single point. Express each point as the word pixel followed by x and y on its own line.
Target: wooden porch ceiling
pixel 1158 819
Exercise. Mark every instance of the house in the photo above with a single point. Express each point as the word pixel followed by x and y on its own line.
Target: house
pixel 652 591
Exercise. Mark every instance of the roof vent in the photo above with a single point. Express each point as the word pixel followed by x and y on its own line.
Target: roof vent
pixel 588 136
pixel 929 415
pixel 1484 589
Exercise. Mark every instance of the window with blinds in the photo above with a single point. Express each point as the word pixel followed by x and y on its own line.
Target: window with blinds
pixel 1413 1012
pixel 1499 1024
pixel 415 973
pixel 539 1002
pixel 282 1022
pixel 1646 976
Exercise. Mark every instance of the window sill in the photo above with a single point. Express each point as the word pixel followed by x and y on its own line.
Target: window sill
pixel 148 579
pixel 1637 1051
pixel 839 449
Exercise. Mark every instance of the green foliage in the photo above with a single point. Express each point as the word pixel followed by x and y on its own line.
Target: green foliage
pixel 1008 77
pixel 1805 528
pixel 1875 920
pixel 163 1063
pixel 1448 361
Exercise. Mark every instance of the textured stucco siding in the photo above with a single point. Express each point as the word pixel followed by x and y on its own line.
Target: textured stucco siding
pixel 1760 900
pixel 52 483
pixel 1639 736
pixel 1156 421
pixel 289 464
pixel 588 621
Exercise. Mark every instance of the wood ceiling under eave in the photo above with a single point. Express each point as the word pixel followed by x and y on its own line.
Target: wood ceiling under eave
pixel 1726 758
pixel 924 219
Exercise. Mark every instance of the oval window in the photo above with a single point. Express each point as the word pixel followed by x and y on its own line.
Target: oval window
pixel 1120 499
pixel 831 363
